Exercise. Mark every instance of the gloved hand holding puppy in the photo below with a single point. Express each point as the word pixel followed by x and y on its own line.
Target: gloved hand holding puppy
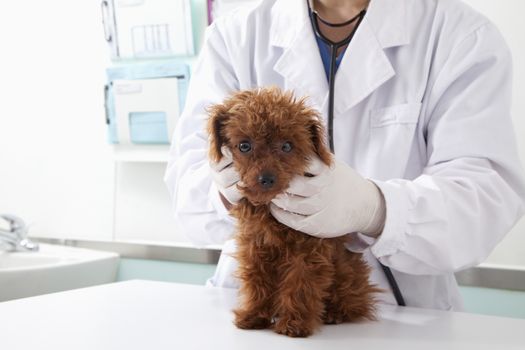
pixel 333 202
pixel 226 177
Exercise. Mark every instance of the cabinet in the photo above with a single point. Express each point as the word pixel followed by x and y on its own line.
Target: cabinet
pixel 141 203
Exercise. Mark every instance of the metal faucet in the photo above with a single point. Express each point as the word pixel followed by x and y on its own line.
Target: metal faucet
pixel 15 239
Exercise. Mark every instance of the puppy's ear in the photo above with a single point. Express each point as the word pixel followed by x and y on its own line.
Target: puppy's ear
pixel 218 115
pixel 318 137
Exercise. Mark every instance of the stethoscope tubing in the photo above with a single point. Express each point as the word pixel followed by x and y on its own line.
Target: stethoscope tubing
pixel 334 47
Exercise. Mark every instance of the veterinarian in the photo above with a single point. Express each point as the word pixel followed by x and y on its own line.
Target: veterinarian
pixel 427 179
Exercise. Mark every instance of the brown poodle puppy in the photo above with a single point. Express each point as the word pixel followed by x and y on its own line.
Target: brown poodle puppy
pixel 290 281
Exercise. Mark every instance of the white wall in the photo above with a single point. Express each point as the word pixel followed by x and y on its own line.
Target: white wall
pixel 56 169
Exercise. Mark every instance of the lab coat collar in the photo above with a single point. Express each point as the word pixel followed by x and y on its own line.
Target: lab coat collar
pixel 384 26
pixel 291 30
pixel 387 19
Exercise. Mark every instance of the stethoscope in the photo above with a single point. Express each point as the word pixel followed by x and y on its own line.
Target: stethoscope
pixel 334 47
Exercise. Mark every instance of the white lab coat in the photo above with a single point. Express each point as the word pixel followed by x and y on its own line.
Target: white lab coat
pixel 422 107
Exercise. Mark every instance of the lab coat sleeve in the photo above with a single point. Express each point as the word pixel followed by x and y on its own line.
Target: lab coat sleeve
pixel 198 210
pixel 472 191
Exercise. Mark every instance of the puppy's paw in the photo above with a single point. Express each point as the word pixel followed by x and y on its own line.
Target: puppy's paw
pixel 292 328
pixel 245 320
pixel 333 317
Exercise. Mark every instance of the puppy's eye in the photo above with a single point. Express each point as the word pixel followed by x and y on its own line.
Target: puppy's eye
pixel 287 147
pixel 245 146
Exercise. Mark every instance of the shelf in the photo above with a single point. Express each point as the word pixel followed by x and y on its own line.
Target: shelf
pixel 141 153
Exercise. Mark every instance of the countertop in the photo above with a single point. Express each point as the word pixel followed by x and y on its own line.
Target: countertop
pixel 158 315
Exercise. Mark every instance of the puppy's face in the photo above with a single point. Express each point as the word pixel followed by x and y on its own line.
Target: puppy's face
pixel 271 137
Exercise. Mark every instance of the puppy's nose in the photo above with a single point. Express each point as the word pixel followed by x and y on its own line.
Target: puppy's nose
pixel 266 180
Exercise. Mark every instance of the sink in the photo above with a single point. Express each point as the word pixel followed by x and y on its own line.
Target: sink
pixel 21 261
pixel 54 268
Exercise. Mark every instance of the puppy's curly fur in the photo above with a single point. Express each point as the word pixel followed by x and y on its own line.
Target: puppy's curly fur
pixel 290 281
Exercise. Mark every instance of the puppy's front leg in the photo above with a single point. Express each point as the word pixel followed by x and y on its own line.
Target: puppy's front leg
pixel 300 302
pixel 256 292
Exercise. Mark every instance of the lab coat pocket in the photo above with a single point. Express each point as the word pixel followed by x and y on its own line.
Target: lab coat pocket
pixel 401 114
pixel 392 132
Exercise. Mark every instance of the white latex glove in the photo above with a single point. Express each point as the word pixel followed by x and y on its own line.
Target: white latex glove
pixel 226 177
pixel 334 202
